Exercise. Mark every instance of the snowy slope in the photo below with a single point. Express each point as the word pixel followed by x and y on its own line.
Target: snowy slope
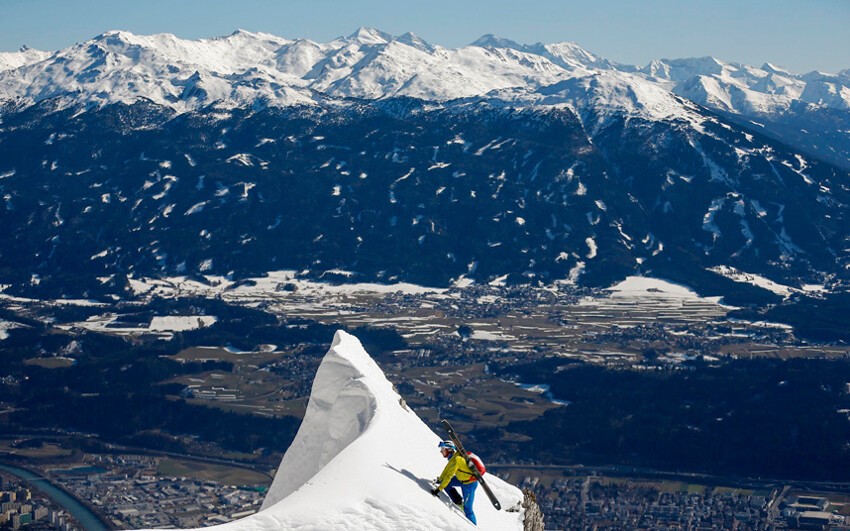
pixel 362 461
pixel 246 68
pixel 25 56
pixel 744 89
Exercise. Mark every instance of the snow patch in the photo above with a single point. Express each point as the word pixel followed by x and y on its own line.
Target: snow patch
pixel 755 280
pixel 591 245
pixel 642 287
pixel 174 323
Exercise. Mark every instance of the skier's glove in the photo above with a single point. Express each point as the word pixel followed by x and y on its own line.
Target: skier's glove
pixel 435 491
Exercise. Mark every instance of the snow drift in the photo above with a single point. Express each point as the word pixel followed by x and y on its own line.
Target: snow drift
pixel 362 460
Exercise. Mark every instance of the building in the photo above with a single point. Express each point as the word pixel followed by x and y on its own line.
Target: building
pixel 816 519
pixel 807 503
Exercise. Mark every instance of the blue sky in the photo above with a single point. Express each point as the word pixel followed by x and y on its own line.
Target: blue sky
pixel 801 35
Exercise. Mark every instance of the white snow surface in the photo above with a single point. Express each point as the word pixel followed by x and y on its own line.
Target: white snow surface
pixel 181 323
pixel 257 68
pixel 647 287
pixel 220 286
pixel 756 280
pixel 25 56
pixel 363 461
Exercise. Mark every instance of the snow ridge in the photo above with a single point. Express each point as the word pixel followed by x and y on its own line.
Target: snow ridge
pixel 341 407
pixel 362 460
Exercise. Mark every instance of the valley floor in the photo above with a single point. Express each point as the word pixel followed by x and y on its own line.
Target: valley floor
pixel 504 363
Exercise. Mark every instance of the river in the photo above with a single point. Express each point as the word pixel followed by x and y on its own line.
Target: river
pixel 87 519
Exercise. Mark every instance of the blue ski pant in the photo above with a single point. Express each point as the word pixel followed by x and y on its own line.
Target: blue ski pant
pixel 468 491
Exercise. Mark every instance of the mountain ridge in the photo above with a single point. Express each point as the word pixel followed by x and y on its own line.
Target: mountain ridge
pixel 375 64
pixel 363 460
pixel 810 111
pixel 484 161
pixel 401 189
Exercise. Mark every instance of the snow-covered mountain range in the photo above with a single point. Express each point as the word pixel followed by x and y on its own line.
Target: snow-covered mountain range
pixel 249 67
pixel 395 159
pixel 362 460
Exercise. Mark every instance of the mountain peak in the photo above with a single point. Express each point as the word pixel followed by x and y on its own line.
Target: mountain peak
pixel 492 41
pixel 363 460
pixel 253 35
pixel 243 34
pixel 365 35
pixel 115 34
pixel 773 69
pixel 415 41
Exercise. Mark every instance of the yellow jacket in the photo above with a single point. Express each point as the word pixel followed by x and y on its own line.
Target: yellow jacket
pixel 455 467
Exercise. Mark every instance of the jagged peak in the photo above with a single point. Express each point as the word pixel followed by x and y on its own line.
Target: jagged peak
pixel 115 35
pixel 121 39
pixel 366 35
pixel 568 45
pixel 253 35
pixel 242 32
pixel 684 69
pixel 411 39
pixel 818 76
pixel 774 69
pixel 570 54
pixel 492 41
pixel 339 378
pixel 279 69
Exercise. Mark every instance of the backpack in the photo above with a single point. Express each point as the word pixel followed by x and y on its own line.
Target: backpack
pixel 476 461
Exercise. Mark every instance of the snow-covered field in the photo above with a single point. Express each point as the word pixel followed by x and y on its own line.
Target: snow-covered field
pixel 762 282
pixel 173 323
pixel 163 326
pixel 61 302
pixel 653 288
pixel 643 300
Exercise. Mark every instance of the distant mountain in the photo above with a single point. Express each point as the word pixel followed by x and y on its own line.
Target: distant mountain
pixel 24 56
pixel 810 111
pixel 396 159
pixel 118 66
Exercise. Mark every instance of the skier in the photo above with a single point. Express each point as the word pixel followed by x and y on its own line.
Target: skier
pixel 457 474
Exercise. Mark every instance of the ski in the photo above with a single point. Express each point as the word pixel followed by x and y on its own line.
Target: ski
pixel 453 436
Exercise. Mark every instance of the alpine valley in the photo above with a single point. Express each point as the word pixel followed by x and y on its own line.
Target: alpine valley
pixel 595 271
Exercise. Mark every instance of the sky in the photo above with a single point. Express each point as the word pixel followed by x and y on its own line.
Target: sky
pixel 801 35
